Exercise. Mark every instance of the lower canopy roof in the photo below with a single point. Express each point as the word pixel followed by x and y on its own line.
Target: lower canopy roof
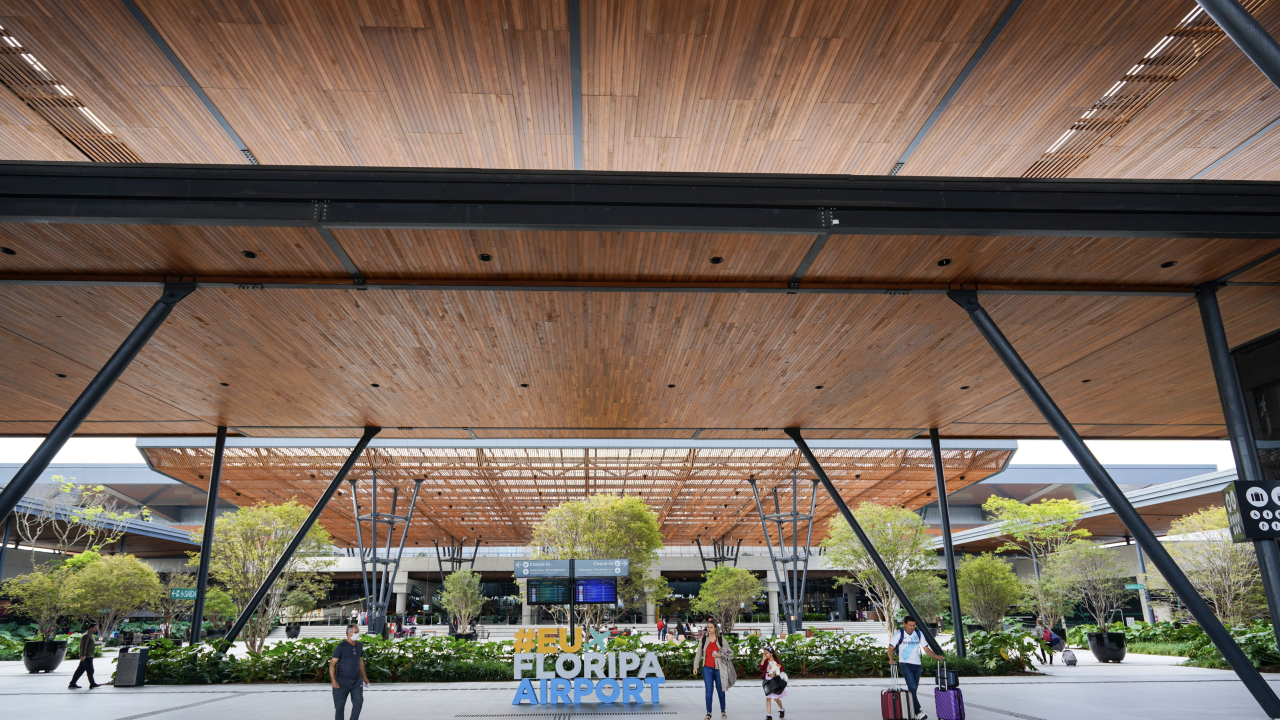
pixel 497 492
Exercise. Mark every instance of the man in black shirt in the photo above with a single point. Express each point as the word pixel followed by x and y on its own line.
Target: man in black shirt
pixel 346 670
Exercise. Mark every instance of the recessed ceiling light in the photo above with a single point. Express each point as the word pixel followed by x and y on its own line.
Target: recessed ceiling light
pixel 8 251
pixel 944 262
pixel 201 477
pixel 717 260
pixel 237 494
pixel 671 386
pixel 485 257
pixel 374 385
pixel 60 374
pixel 961 477
pixel 1169 264
pixel 964 387
pixel 524 384
pixel 1086 381
pixel 249 254
pixel 224 384
pixel 818 387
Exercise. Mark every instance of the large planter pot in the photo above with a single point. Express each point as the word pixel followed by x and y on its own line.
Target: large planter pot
pixel 466 636
pixel 43 655
pixel 1107 646
pixel 292 631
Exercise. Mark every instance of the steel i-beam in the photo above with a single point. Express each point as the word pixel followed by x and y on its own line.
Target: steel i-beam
pixel 1102 480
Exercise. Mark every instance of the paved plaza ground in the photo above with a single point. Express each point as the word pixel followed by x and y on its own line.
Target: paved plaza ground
pixel 1144 686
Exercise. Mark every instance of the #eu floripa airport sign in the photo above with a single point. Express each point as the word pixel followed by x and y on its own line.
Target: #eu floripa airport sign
pixel 563 676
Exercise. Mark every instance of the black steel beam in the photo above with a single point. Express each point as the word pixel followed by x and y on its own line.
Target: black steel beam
pixel 92 394
pixel 206 538
pixel 1248 35
pixel 1120 504
pixel 247 611
pixel 948 551
pixel 680 202
pixel 794 434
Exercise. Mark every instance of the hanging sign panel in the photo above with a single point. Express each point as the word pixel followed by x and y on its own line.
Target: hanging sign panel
pixel 601 568
pixel 1253 510
pixel 542 569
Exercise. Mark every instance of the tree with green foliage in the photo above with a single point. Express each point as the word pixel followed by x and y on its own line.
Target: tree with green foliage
pixel 928 593
pixel 988 588
pixel 1095 575
pixel 897 533
pixel 246 546
pixel 461 597
pixel 1037 530
pixel 298 603
pixel 724 592
pixel 1225 573
pixel 218 606
pixel 42 595
pixel 605 527
pixel 113 588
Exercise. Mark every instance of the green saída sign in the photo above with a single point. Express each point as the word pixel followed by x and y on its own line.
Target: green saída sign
pixel 182 593
pixel 1135 586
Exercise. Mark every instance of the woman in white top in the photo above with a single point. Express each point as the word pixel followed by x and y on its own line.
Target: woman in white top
pixel 772 669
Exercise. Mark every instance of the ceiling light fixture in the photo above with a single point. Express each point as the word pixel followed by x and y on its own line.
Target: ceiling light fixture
pixel 8 251
pixel 524 384
pixel 717 260
pixel 671 386
pixel 485 257
pixel 818 387
pixel 964 387
pixel 944 262
pixel 60 375
pixel 224 384
pixel 374 385
pixel 249 254
pixel 1086 381
pixel 1167 265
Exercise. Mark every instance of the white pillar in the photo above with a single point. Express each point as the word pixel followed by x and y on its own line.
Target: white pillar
pixel 526 610
pixel 400 587
pixel 774 616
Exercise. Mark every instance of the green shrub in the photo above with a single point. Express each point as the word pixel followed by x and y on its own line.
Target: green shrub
pixel 73 646
pixel 1180 649
pixel 1258 641
pixel 1012 651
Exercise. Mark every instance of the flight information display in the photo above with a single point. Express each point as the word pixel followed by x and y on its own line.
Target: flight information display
pixel 548 591
pixel 595 590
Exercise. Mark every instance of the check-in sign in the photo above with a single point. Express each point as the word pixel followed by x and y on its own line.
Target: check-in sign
pixel 542 568
pixel 601 568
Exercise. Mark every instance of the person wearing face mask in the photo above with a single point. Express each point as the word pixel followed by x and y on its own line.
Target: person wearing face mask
pixel 346 670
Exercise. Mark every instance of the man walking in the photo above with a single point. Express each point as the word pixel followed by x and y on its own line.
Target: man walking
pixel 908 642
pixel 346 670
pixel 87 648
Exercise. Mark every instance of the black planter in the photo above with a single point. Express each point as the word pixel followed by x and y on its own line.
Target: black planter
pixel 466 636
pixel 1108 646
pixel 43 655
pixel 292 631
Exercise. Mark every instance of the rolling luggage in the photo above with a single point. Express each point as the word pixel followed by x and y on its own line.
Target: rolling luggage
pixel 947 695
pixel 895 703
pixel 1069 658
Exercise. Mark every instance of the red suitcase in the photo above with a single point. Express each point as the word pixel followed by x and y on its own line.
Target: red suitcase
pixel 895 703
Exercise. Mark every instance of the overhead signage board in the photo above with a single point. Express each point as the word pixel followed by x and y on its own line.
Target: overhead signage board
pixel 601 568
pixel 1253 510
pixel 542 569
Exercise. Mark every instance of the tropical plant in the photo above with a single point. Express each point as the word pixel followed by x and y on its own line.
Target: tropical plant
pixel 1095 574
pixel 1011 651
pixel 113 588
pixel 898 535
pixel 461 597
pixel 42 595
pixel 1037 530
pixel 724 592
pixel 988 588
pixel 73 515
pixel 246 546
pixel 599 528
pixel 1225 573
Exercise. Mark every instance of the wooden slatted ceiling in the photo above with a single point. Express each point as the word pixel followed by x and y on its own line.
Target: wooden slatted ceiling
pixel 1051 63
pixel 1222 103
pixel 99 51
pixel 499 494
pixel 24 135
pixel 307 359
pixel 766 85
pixel 384 82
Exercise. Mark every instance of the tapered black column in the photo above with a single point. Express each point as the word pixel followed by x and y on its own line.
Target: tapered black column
pixel 4 544
pixel 206 541
pixel 795 435
pixel 948 552
pixel 92 394
pixel 247 611
pixel 1199 609
pixel 1248 35
pixel 1243 447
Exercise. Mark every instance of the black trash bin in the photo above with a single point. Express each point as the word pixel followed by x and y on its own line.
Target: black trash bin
pixel 131 668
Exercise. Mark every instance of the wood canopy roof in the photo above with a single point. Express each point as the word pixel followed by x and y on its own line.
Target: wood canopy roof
pixel 498 494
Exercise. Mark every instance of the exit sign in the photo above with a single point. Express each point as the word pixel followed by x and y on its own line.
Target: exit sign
pixel 182 593
pixel 1135 586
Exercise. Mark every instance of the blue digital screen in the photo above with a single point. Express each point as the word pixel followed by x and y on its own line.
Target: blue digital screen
pixel 595 590
pixel 548 591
